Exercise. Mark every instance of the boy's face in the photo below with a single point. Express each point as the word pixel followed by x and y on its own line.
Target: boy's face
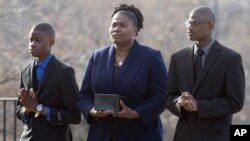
pixel 40 44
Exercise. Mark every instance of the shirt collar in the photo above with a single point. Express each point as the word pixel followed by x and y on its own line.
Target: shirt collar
pixel 205 48
pixel 45 62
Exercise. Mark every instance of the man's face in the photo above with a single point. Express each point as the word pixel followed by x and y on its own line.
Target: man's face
pixel 199 27
pixel 122 30
pixel 39 43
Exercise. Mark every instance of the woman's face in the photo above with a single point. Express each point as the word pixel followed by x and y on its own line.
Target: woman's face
pixel 122 30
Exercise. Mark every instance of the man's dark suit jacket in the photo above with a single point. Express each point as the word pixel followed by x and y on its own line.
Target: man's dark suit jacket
pixel 142 79
pixel 58 90
pixel 219 91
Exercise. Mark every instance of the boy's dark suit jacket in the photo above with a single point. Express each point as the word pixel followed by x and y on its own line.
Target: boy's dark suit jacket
pixel 142 79
pixel 219 90
pixel 58 90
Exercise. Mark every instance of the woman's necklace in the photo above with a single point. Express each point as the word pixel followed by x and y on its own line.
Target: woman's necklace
pixel 121 55
pixel 119 60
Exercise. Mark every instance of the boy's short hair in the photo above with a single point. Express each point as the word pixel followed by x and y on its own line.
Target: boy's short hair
pixel 45 27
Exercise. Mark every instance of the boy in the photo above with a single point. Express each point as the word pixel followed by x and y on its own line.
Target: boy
pixel 48 91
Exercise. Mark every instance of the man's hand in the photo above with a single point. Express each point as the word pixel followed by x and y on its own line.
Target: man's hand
pixel 188 102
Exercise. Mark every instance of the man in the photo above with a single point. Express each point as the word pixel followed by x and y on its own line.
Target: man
pixel 48 91
pixel 206 83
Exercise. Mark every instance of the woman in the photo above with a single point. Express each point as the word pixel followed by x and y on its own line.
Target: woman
pixel 128 69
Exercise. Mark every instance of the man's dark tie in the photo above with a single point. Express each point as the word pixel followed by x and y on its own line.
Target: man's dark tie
pixel 198 62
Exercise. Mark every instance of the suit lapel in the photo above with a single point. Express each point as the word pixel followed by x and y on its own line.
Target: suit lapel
pixel 110 66
pixel 129 59
pixel 189 59
pixel 49 70
pixel 209 61
pixel 111 59
pixel 31 74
